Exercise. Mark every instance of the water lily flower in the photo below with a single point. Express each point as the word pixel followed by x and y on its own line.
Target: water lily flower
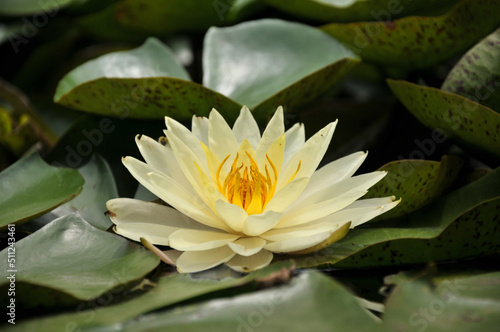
pixel 237 197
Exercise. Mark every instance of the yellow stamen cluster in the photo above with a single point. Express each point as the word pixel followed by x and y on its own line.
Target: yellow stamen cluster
pixel 247 186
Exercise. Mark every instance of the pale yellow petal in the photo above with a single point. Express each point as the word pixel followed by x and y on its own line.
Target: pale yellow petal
pixel 161 157
pixel 187 137
pixel 296 244
pixel 257 224
pixel 287 195
pixel 199 127
pixel 233 215
pixel 245 127
pixel 334 172
pixel 220 136
pixel 247 246
pixel 295 138
pixel 282 234
pixel 198 240
pixel 247 264
pixel 191 206
pixel 275 128
pixel 309 156
pixel 135 219
pixel 195 261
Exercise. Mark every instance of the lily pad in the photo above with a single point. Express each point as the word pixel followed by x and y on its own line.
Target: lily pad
pixel 98 189
pixel 73 257
pixel 417 182
pixel 354 10
pixel 26 7
pixel 147 82
pixel 471 124
pixel 271 62
pixel 162 17
pixel 166 291
pixel 31 188
pixel 461 224
pixel 419 41
pixel 464 304
pixel 477 75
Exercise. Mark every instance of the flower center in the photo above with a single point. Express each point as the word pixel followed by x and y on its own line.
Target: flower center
pixel 247 186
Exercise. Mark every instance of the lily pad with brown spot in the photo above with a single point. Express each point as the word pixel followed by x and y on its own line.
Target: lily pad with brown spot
pixel 473 125
pixel 419 41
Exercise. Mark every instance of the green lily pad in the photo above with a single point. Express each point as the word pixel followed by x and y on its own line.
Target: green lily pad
pixel 31 188
pixel 419 41
pixel 98 189
pixel 354 10
pixel 464 304
pixel 265 63
pixel 417 182
pixel 162 17
pixel 147 82
pixel 167 291
pixel 26 7
pixel 471 124
pixel 307 302
pixel 73 257
pixel 461 224
pixel 477 74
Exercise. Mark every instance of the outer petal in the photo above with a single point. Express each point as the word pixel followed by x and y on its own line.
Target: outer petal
pixel 199 127
pixel 257 224
pixel 199 240
pixel 296 244
pixel 275 128
pixel 246 127
pixel 295 138
pixel 247 246
pixel 187 137
pixel 309 156
pixel 195 261
pixel 135 219
pixel 250 263
pixel 189 206
pixel 289 233
pixel 233 215
pixel 220 136
pixel 161 157
pixel 334 172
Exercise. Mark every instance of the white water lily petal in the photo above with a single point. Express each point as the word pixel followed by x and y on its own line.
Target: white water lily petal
pixel 287 195
pixel 220 136
pixel 198 240
pixel 295 138
pixel 135 219
pixel 246 128
pixel 187 137
pixel 195 261
pixel 334 172
pixel 299 243
pixel 275 128
pixel 233 215
pixel 293 217
pixel 199 127
pixel 191 206
pixel 247 246
pixel 363 210
pixel 357 183
pixel 161 157
pixel 257 224
pixel 281 234
pixel 247 264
